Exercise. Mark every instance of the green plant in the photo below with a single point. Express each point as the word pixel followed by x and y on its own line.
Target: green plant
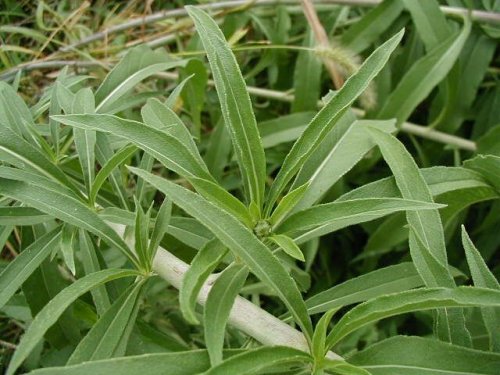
pixel 93 242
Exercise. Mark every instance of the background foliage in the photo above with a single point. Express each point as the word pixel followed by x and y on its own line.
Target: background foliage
pixel 366 216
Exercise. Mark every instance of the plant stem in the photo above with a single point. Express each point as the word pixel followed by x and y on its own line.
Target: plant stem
pixel 245 316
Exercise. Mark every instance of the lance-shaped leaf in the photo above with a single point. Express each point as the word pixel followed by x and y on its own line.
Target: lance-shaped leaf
pixel 340 159
pixel 107 169
pixel 53 310
pixel 386 280
pixel 287 204
pixel 483 277
pixel 423 76
pixel 412 300
pixel 222 198
pixel 328 217
pixel 109 336
pixel 402 355
pixel 219 302
pixel 166 148
pixel 240 241
pixel 361 34
pixel 203 264
pixel 236 105
pixel 256 360
pixel 138 64
pixel 161 117
pixel 55 201
pixel 16 151
pixel 19 216
pixel 178 363
pixel 328 116
pixel 427 226
pixel 18 270
pixel 288 246
pixel 83 102
pixel 162 222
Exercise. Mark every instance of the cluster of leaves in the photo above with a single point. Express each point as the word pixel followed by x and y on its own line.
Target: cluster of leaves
pixel 256 198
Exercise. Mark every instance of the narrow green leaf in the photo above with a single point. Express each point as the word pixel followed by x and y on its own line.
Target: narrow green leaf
pixel 223 199
pixel 179 363
pixel 18 216
pixel 366 31
pixel 319 338
pixel 403 355
pixel 343 368
pixel 235 103
pixel 449 323
pixel 166 148
pixel 256 360
pixel 138 64
pixel 19 269
pixel 85 140
pixel 161 227
pixel 328 116
pixel 412 300
pixel 483 277
pixel 203 264
pixel 107 169
pixel 194 94
pixel 109 336
pixel 60 204
pixel 488 166
pixel 427 227
pixel 287 204
pixel 328 217
pixel 307 77
pixel 51 312
pixel 341 157
pixel 16 151
pixel 423 76
pixel 90 265
pixel 66 246
pixel 288 246
pixel 385 280
pixel 284 129
pixel 239 240
pixel 429 20
pixel 219 302
pixel 412 186
pixel 141 236
pixel 161 117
